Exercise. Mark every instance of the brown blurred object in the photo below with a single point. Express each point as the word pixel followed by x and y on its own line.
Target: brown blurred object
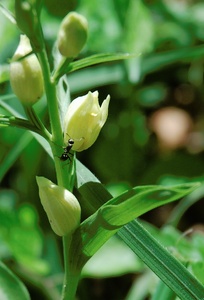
pixel 172 127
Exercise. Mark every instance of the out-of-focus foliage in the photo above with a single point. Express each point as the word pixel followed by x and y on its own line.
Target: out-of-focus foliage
pixel 138 145
pixel 8 279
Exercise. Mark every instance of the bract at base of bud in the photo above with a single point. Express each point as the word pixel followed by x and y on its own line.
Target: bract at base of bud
pixel 61 206
pixel 25 74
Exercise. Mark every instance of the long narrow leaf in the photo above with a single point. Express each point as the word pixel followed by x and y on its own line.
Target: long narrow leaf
pixel 90 61
pixel 98 59
pixel 163 264
pixel 156 61
pixel 108 219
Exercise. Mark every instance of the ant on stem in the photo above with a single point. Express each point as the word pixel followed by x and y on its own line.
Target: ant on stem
pixel 65 155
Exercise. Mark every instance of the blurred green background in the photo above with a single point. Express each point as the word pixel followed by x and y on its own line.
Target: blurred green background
pixel 154 133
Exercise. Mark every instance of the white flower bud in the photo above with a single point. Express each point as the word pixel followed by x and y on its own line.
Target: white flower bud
pixel 72 34
pixel 25 74
pixel 84 120
pixel 61 206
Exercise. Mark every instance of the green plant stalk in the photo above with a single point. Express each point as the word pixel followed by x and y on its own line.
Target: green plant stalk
pixel 56 140
pixel 71 276
pixel 61 68
pixel 50 90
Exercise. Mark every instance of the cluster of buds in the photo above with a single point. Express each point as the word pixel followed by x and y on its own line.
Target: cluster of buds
pixel 25 71
pixel 83 120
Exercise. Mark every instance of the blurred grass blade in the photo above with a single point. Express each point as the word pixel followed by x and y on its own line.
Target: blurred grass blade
pixel 163 292
pixel 14 153
pixel 118 211
pixel 17 149
pixel 162 263
pixel 100 75
pixel 178 212
pixel 7 14
pixel 8 107
pixel 10 286
pixel 4 72
pixel 154 62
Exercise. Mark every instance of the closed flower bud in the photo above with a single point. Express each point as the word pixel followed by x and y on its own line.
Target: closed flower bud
pixel 25 74
pixel 72 34
pixel 84 120
pixel 61 206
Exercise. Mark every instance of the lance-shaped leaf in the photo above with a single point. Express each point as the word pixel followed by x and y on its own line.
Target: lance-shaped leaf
pixel 66 66
pixel 118 211
pixel 164 264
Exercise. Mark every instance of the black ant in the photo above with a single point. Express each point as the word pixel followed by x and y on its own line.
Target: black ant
pixel 65 155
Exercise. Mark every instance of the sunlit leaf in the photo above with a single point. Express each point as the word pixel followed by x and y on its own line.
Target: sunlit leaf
pixel 115 213
pixel 162 263
pixel 92 60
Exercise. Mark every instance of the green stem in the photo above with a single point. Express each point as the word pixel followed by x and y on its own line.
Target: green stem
pixel 62 68
pixel 56 141
pixel 64 178
pixel 72 276
pixel 50 89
